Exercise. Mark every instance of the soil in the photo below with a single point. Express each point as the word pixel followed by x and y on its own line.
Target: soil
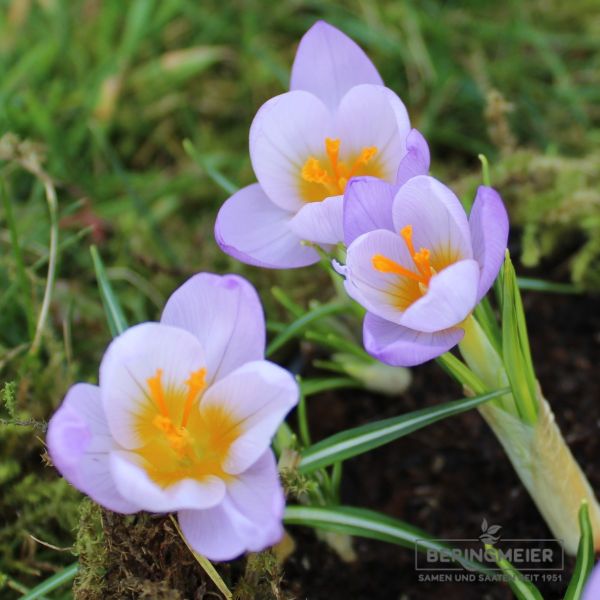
pixel 449 477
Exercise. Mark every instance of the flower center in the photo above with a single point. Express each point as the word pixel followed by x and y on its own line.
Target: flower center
pixel 177 441
pixel 424 270
pixel 328 176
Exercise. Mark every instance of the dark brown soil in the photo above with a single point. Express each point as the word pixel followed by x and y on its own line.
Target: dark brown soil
pixel 447 478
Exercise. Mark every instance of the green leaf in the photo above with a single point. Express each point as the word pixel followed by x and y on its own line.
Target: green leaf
pixel 459 371
pixel 516 353
pixel 551 287
pixel 361 439
pixel 585 556
pixel 296 327
pixel 112 309
pixel 50 584
pixel 522 588
pixel 310 387
pixel 366 523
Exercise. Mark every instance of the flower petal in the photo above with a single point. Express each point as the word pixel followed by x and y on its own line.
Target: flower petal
pixel 399 346
pixel 384 294
pixel 437 218
pixel 592 585
pixel 133 483
pixel 211 532
pixel 225 314
pixel 286 131
pixel 371 115
pixel 367 206
pixel 328 63
pixel 320 222
pixel 451 296
pixel 132 359
pixel 489 235
pixel 256 231
pixel 257 396
pixel 258 499
pixel 79 443
pixel 417 159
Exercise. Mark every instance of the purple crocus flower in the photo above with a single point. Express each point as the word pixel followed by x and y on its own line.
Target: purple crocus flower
pixel 418 265
pixel 337 122
pixel 182 420
pixel 592 586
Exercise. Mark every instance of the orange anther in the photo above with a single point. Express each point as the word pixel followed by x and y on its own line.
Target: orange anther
pixel 196 384
pixel 157 392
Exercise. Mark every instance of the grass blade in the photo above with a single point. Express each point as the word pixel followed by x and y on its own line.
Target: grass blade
pixel 114 314
pixel 296 327
pixel 366 523
pixel 585 556
pixel 50 584
pixel 361 439
pixel 522 588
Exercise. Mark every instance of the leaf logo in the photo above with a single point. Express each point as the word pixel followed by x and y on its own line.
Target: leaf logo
pixel 488 533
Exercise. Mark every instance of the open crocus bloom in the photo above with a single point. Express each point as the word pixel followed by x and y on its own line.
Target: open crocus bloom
pixel 337 122
pixel 425 268
pixel 182 420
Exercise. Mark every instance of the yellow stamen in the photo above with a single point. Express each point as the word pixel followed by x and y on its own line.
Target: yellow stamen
pixel 406 233
pixel 196 384
pixel 421 259
pixel 334 177
pixel 157 392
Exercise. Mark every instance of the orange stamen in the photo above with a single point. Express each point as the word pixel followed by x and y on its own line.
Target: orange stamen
pixel 406 233
pixel 196 384
pixel 387 265
pixel 157 392
pixel 335 176
pixel 421 259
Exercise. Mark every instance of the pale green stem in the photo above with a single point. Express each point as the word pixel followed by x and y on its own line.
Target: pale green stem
pixel 52 259
pixel 537 450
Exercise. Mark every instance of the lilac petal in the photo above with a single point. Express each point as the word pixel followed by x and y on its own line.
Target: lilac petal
pixel 438 220
pixel 211 532
pixel 320 222
pixel 451 296
pixel 592 586
pixel 489 235
pixel 225 314
pixel 256 231
pixel 380 293
pixel 328 64
pixel 257 396
pixel 133 483
pixel 370 115
pixel 257 497
pixel 417 159
pixel 367 206
pixel 402 347
pixel 286 131
pixel 130 361
pixel 248 519
pixel 79 443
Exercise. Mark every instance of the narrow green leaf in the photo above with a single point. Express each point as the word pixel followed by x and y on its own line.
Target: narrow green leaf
pixel 585 556
pixel 551 287
pixel 457 369
pixel 112 309
pixel 297 327
pixel 522 588
pixel 516 353
pixel 361 439
pixel 366 523
pixel 310 387
pixel 204 162
pixel 50 584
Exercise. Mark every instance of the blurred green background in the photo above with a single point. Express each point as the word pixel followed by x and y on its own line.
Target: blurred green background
pixel 98 96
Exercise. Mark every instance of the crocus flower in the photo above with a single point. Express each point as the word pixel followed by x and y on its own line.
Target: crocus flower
pixel 423 268
pixel 182 420
pixel 337 122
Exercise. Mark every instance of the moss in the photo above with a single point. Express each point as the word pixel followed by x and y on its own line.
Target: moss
pixel 261 580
